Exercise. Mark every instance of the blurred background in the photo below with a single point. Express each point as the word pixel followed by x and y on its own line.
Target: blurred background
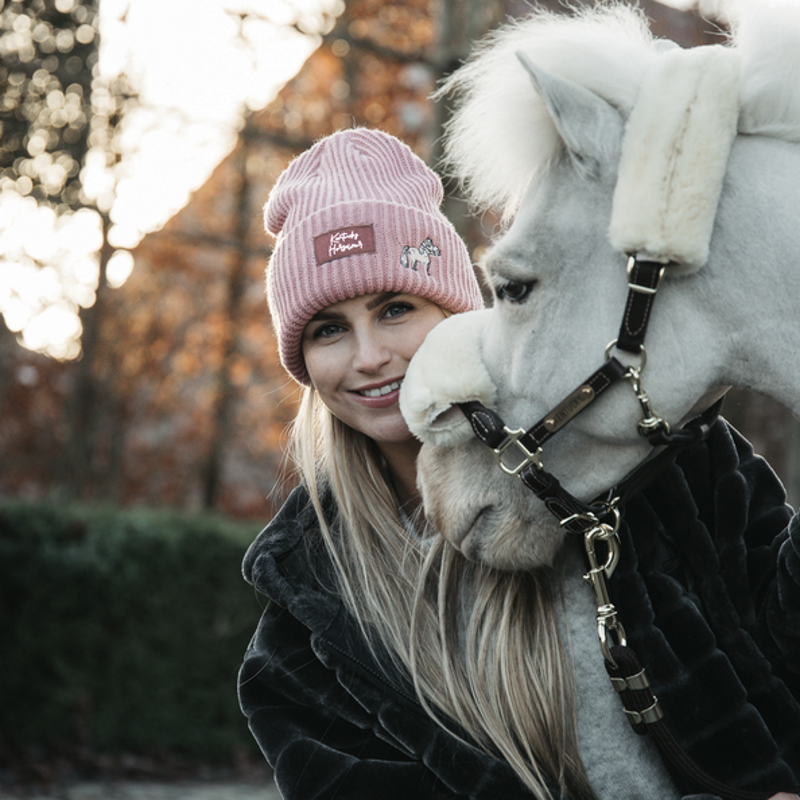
pixel 139 140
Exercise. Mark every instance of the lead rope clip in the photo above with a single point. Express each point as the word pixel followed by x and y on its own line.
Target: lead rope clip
pixel 608 624
pixel 609 628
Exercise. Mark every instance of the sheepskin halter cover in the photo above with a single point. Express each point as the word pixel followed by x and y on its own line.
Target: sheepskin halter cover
pixel 673 162
pixel 674 156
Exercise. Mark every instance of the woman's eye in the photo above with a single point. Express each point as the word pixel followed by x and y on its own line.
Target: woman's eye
pixel 398 309
pixel 327 331
pixel 514 291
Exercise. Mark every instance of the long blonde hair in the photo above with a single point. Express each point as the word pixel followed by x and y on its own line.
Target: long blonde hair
pixel 481 646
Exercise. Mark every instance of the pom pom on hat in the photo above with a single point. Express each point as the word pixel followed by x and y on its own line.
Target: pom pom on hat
pixel 358 213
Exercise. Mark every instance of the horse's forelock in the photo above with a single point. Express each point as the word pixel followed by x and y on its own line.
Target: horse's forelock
pixel 500 134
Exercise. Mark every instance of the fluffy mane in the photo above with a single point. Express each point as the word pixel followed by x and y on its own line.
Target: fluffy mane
pixel 500 134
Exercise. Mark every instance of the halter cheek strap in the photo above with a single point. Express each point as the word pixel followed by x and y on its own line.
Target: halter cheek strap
pixel 644 280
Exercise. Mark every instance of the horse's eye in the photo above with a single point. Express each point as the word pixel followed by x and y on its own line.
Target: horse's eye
pixel 515 291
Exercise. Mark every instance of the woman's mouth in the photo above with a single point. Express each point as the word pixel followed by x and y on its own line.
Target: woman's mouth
pixel 381 390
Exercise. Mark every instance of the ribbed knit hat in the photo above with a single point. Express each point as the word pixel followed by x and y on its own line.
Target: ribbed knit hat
pixel 358 213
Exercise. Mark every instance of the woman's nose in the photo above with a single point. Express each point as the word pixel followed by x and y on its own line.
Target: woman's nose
pixel 370 353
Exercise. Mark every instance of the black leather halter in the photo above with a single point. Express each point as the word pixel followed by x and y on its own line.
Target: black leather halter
pixel 519 452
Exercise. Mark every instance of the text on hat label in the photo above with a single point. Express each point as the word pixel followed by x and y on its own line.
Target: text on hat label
pixel 343 242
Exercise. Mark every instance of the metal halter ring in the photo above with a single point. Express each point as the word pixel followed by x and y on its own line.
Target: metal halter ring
pixel 642 352
pixel 592 520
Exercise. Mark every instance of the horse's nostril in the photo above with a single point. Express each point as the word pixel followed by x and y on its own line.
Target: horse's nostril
pixel 470 546
pixel 475 537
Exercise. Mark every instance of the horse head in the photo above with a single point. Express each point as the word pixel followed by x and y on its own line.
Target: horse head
pixel 596 140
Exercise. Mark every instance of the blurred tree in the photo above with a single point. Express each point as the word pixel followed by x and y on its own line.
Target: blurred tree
pixel 48 51
pixel 60 123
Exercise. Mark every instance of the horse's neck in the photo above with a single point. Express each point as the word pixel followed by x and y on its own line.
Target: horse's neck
pixel 756 254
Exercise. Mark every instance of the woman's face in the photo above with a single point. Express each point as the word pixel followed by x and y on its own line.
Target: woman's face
pixel 357 352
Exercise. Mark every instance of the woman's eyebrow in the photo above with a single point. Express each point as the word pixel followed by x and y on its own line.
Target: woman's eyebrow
pixel 324 314
pixel 381 298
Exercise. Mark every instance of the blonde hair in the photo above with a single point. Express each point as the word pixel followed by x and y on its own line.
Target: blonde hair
pixel 481 646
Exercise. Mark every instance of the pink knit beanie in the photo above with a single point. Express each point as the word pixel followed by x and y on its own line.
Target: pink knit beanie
pixel 359 213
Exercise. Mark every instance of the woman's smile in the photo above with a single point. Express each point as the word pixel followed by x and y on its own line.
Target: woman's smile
pixel 381 391
pixel 357 352
pixel 380 396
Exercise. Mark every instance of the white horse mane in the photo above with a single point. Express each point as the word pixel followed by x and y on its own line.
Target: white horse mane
pixel 501 135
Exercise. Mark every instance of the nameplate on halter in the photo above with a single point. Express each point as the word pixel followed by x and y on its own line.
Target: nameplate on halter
pixel 352 241
pixel 566 410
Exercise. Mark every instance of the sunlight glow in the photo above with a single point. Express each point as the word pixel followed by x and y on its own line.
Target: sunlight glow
pixel 119 268
pixel 197 71
pixel 55 331
pixel 42 303
pixel 196 76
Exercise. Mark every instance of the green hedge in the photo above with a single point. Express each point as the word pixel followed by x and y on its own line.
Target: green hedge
pixel 122 631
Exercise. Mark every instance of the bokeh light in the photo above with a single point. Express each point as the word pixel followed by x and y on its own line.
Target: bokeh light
pixel 127 131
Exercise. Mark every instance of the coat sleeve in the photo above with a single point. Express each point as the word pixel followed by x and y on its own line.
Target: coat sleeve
pixel 320 742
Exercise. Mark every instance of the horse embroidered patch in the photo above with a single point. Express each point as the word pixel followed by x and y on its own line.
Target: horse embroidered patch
pixel 411 256
pixel 353 241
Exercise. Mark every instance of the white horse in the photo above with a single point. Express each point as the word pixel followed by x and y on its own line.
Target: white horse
pixel 621 144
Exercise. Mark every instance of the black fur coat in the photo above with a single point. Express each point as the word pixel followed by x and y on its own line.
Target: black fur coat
pixel 708 588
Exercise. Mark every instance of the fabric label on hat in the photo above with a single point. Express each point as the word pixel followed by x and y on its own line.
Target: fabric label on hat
pixel 353 241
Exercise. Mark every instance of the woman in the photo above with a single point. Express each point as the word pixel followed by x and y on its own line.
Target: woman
pixel 385 665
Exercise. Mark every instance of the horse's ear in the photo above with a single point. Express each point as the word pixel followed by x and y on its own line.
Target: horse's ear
pixel 590 127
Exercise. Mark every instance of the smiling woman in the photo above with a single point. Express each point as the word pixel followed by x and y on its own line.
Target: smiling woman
pixel 349 304
pixel 365 265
